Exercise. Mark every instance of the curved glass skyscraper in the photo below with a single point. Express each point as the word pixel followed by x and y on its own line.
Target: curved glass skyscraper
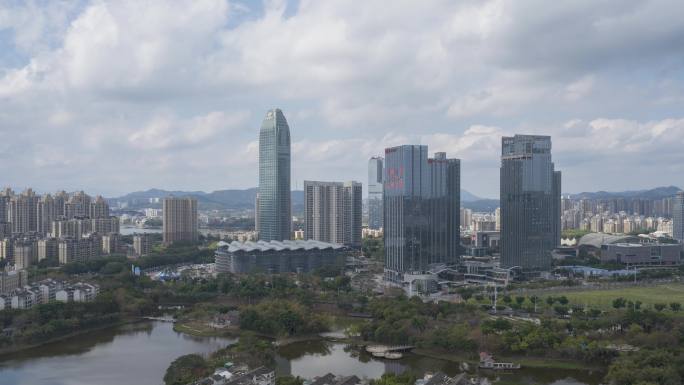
pixel 274 215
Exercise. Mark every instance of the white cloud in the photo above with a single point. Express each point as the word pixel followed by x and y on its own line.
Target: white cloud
pixel 135 88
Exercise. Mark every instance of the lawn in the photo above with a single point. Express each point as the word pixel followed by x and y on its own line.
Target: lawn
pixel 665 293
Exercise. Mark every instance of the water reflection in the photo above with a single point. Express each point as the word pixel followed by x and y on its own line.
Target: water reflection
pixel 315 358
pixel 132 354
pixel 140 353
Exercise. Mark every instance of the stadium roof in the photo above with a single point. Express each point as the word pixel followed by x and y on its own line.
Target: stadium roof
pixel 598 239
pixel 250 246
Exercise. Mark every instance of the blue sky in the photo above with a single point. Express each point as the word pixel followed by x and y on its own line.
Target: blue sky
pixel 116 96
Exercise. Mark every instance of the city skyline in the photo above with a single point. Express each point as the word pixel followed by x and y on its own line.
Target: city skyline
pixel 113 115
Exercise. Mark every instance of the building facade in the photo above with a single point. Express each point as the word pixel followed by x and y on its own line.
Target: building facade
pixel 530 202
pixel 142 244
pixel 179 221
pixel 421 210
pixel 375 177
pixel 332 212
pixel 274 209
pixel 678 217
pixel 278 257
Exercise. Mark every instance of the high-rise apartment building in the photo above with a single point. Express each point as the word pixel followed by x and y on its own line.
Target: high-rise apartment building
pixel 142 244
pixel 46 213
pixel 179 221
pixel 375 176
pixel 78 206
pixel 332 212
pixel 421 210
pixel 274 211
pixel 21 212
pixel 98 208
pixel 678 217
pixel 530 202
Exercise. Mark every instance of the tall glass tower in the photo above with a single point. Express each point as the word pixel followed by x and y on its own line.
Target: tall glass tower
pixel 530 202
pixel 375 170
pixel 274 211
pixel 421 210
pixel 678 217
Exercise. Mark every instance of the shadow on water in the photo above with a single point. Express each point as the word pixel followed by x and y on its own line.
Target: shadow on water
pixel 315 358
pixel 136 353
pixel 140 353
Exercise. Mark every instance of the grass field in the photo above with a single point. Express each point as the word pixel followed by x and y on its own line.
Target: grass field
pixel 665 293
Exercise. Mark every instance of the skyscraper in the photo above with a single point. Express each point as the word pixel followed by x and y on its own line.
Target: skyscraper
pixel 678 217
pixel 421 210
pixel 530 202
pixel 179 220
pixel 274 206
pixel 375 171
pixel 332 212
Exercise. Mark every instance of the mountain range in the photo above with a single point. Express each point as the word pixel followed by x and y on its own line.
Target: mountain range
pixel 654 193
pixel 224 199
pixel 244 199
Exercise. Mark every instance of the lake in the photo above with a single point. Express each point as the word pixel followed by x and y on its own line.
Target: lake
pixel 140 353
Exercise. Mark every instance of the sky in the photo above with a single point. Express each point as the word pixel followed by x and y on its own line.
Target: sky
pixel 120 96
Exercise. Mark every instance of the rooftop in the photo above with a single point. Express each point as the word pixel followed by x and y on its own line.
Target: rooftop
pixel 278 246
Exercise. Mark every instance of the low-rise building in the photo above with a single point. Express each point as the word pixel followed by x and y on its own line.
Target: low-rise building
pixel 79 292
pixel 642 253
pixel 278 257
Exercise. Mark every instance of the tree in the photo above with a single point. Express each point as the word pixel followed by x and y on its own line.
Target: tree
pixel 519 300
pixel 186 369
pixel 563 300
pixel 659 306
pixel 675 306
pixel 645 367
pixel 289 380
pixel 550 300
pixel 619 303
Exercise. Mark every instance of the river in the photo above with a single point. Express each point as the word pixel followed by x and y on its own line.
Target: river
pixel 140 353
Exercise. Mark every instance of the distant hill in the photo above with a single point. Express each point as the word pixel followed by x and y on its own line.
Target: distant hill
pixel 223 199
pixel 654 193
pixel 466 196
pixel 481 205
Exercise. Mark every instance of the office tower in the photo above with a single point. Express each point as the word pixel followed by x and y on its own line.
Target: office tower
pixel 45 212
pixel 332 212
pixel 421 210
pixel 21 212
pixel 678 217
pixel 375 171
pixel 275 212
pixel 179 220
pixel 98 208
pixel 530 202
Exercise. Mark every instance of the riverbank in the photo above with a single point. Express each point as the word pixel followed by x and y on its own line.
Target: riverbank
pixel 280 342
pixel 199 329
pixel 525 362
pixel 19 348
